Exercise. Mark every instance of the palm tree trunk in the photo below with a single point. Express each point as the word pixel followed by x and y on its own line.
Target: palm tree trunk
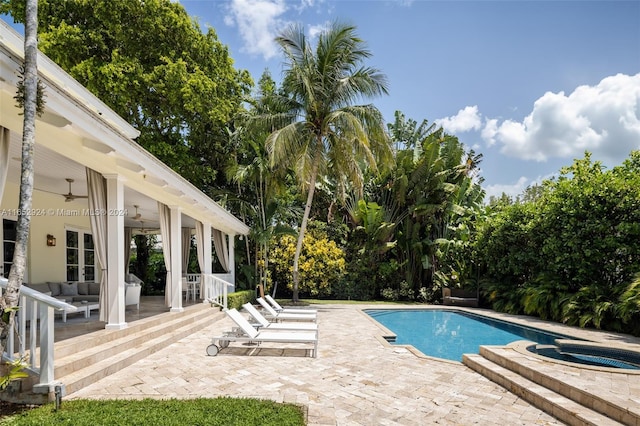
pixel 16 274
pixel 303 228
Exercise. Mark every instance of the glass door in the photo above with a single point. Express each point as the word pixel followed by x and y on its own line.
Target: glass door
pixel 81 261
pixel 8 238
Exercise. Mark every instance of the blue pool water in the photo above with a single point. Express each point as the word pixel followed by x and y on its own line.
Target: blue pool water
pixel 448 334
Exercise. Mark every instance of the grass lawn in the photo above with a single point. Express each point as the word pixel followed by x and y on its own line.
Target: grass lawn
pixel 203 411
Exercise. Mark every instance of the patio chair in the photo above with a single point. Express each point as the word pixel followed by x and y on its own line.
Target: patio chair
pixel 276 306
pixel 251 335
pixel 264 323
pixel 132 295
pixel 283 316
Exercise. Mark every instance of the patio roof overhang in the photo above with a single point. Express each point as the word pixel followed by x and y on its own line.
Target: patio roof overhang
pixel 78 130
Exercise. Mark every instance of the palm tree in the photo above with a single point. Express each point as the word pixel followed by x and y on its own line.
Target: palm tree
pixel 32 103
pixel 322 132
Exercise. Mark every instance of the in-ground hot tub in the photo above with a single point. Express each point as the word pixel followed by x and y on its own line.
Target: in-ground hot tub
pixel 589 353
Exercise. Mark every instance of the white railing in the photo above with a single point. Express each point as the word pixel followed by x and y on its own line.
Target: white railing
pixel 191 286
pixel 215 290
pixel 36 308
pixel 229 279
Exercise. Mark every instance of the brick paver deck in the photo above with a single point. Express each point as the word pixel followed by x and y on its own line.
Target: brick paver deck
pixel 356 379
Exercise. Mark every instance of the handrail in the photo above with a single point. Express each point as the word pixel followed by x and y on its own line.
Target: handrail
pixel 42 306
pixel 215 290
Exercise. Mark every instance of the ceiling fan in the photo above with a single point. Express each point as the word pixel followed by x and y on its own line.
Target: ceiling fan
pixel 70 196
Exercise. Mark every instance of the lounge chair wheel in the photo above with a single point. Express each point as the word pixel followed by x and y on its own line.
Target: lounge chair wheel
pixel 212 350
pixel 223 344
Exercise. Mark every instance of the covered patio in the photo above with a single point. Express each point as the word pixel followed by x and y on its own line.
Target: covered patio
pixel 95 187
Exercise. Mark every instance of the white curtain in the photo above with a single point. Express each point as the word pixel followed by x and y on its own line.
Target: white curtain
pixel 128 234
pixel 4 157
pixel 186 249
pixel 97 190
pixel 165 232
pixel 200 251
pixel 222 248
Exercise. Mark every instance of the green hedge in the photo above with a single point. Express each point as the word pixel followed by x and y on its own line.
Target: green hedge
pixel 239 298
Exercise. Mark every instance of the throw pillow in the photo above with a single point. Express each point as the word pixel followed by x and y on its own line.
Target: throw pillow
pixel 94 288
pixel 69 289
pixel 55 289
pixel 83 288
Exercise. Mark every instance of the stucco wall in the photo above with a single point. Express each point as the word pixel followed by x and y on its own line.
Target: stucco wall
pixel 51 215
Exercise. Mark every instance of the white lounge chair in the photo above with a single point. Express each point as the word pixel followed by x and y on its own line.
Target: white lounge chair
pixel 264 323
pixel 283 316
pixel 252 335
pixel 276 306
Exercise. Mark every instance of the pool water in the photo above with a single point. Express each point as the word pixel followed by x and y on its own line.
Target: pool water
pixel 447 334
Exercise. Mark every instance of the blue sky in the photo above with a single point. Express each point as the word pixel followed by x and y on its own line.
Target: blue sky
pixel 529 84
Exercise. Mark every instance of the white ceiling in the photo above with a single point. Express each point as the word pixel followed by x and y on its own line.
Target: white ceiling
pixel 51 171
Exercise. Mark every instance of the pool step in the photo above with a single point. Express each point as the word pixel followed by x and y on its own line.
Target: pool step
pixel 565 409
pixel 620 408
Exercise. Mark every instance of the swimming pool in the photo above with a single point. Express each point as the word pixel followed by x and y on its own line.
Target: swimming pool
pixel 450 334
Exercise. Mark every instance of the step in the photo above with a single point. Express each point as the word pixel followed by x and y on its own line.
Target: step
pixel 559 406
pixel 69 346
pixel 96 347
pixel 94 363
pixel 614 408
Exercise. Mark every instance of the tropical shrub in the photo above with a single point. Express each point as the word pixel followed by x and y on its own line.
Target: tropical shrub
pixel 322 263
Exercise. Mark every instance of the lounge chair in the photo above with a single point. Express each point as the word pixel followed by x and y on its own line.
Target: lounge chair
pixel 250 334
pixel 276 306
pixel 264 323
pixel 283 316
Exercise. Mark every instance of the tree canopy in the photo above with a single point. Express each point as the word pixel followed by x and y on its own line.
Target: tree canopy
pixel 153 65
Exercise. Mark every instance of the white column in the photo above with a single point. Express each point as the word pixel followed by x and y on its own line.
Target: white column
pixel 207 268
pixel 206 245
pixel 176 258
pixel 232 259
pixel 115 252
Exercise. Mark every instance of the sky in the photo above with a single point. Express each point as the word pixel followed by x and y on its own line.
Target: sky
pixel 530 85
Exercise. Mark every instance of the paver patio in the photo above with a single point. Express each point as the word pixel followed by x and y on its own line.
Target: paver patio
pixel 356 379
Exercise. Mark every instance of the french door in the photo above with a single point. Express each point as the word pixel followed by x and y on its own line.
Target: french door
pixel 8 237
pixel 81 259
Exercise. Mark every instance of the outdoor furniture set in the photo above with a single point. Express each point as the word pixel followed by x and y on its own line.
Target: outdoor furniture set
pixel 83 295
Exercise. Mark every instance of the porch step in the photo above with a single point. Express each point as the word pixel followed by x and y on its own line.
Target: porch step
pixel 619 409
pixel 565 408
pixel 83 360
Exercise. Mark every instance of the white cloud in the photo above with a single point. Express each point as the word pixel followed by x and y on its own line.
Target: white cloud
pixel 603 119
pixel 465 120
pixel 511 190
pixel 316 30
pixel 515 189
pixel 258 22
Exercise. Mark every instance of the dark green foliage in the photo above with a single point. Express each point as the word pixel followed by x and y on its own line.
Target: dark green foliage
pixel 569 253
pixel 218 411
pixel 153 65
